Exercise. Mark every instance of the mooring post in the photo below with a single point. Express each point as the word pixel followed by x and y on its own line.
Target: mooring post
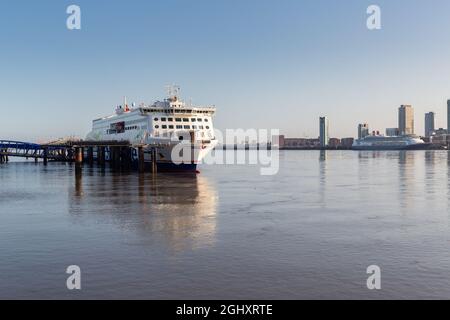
pixel 123 157
pixel 115 156
pixel 112 155
pixel 45 154
pixel 78 155
pixel 126 154
pixel 90 155
pixel 154 168
pixel 141 159
pixel 116 151
pixel 98 155
pixel 101 155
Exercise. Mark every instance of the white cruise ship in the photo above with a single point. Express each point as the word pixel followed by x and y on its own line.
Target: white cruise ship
pixel 182 134
pixel 378 142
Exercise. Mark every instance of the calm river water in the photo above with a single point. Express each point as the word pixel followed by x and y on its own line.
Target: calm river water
pixel 309 231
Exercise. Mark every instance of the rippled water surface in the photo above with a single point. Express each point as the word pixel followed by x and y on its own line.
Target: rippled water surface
pixel 308 232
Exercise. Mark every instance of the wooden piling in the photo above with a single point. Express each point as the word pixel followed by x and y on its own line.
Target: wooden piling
pixel 2 157
pixel 154 167
pixel 78 155
pixel 117 156
pixel 112 156
pixel 101 155
pixel 127 157
pixel 141 160
pixel 90 155
pixel 123 157
pixel 45 155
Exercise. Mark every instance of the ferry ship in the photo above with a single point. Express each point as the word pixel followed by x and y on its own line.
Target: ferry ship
pixel 378 142
pixel 181 134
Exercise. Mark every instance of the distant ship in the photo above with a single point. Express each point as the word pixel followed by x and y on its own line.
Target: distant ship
pixel 378 142
pixel 162 125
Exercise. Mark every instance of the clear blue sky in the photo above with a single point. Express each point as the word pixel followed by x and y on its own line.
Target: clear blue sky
pixel 264 64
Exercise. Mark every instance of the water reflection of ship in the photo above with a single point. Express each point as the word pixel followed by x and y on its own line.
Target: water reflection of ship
pixel 175 209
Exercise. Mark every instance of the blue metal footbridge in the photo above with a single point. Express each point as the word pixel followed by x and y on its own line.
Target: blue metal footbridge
pixel 10 148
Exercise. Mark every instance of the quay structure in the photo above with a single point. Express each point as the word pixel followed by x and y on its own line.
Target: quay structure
pixel 118 153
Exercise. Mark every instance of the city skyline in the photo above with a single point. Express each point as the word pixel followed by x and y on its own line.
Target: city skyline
pixel 293 58
pixel 406 124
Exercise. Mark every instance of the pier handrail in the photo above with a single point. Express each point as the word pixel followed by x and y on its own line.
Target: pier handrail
pixel 6 144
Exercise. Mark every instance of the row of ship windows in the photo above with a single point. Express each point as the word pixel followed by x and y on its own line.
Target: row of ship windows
pixel 171 111
pixel 188 127
pixel 114 131
pixel 164 126
pixel 181 119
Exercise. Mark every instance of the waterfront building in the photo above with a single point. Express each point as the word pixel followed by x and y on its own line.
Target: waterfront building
pixel 441 139
pixel 363 130
pixel 347 142
pixel 300 143
pixel 334 142
pixel 278 141
pixel 429 124
pixel 440 131
pixel 406 119
pixel 324 132
pixel 392 132
pixel 448 116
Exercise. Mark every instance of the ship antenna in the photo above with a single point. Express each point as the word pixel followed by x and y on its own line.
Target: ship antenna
pixel 173 91
pixel 168 90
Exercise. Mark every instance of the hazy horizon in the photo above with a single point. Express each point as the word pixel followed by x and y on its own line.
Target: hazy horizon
pixel 264 64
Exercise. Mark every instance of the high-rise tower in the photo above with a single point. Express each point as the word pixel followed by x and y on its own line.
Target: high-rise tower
pixel 429 124
pixel 324 137
pixel 406 120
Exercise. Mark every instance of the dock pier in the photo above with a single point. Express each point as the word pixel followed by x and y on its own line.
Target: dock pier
pixel 120 154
